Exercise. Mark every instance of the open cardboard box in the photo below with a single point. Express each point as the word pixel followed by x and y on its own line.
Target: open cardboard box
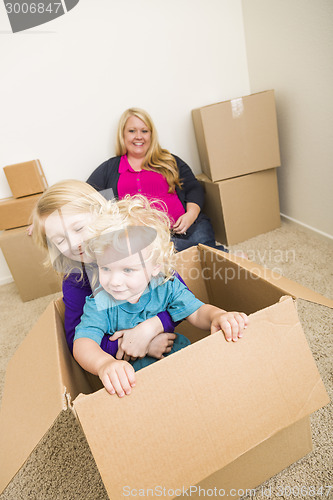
pixel 216 414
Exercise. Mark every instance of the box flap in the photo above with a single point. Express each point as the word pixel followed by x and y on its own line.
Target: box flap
pixel 181 424
pixel 33 396
pixel 41 379
pixel 286 285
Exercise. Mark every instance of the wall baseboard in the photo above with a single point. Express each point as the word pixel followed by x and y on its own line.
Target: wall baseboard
pixel 306 226
pixel 6 280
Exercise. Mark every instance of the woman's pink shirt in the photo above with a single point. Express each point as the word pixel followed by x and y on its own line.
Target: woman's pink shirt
pixel 150 184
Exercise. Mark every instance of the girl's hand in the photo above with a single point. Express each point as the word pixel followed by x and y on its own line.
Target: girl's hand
pixel 117 376
pixel 135 341
pixel 162 344
pixel 232 324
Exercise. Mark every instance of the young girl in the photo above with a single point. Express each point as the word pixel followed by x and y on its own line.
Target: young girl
pixel 137 281
pixel 60 225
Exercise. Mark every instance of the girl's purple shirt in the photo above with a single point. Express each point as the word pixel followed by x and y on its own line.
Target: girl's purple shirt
pixel 75 291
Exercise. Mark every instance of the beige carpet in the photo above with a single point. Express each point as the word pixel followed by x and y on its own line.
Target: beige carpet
pixel 63 468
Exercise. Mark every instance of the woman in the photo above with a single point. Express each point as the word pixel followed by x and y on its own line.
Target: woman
pixel 61 221
pixel 143 167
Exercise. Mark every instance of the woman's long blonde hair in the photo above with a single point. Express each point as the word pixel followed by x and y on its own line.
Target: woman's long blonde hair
pixel 157 159
pixel 78 197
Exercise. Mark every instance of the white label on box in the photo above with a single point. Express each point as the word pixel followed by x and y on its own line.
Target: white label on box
pixel 237 107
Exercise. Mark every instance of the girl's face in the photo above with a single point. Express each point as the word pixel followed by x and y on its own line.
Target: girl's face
pixel 69 233
pixel 137 137
pixel 126 279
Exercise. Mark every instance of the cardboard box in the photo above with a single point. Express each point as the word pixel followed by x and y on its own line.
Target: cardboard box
pixel 26 263
pixel 243 207
pixel 237 137
pixel 194 428
pixel 26 178
pixel 17 212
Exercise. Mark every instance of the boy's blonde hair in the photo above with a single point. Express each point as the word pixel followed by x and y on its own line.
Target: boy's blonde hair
pixel 132 224
pixel 75 197
pixel 157 159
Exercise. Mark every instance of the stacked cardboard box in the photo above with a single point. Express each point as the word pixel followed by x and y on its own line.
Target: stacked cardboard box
pixel 26 181
pixel 239 152
pixel 25 261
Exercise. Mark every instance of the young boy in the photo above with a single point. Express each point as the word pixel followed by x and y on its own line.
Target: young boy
pixel 136 277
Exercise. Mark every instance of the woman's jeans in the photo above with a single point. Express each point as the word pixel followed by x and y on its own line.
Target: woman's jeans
pixel 201 231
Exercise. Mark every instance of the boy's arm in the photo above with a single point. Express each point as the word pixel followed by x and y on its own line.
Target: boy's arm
pixel 209 317
pixel 117 376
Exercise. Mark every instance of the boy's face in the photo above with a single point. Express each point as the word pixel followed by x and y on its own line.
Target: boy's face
pixel 126 279
pixel 69 233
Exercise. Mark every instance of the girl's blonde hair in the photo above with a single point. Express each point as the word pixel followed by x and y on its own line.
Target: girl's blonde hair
pixel 75 197
pixel 157 159
pixel 132 224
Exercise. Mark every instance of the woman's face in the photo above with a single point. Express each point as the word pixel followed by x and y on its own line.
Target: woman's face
pixel 69 233
pixel 137 137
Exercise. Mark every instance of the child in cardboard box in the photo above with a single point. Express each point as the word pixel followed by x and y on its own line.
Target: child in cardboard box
pixel 137 281
pixel 60 221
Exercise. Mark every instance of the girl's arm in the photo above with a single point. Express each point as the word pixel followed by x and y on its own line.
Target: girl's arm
pixel 75 292
pixel 209 317
pixel 168 324
pixel 74 297
pixel 116 375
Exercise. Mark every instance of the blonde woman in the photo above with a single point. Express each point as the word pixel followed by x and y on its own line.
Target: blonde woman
pixel 61 221
pixel 135 259
pixel 143 167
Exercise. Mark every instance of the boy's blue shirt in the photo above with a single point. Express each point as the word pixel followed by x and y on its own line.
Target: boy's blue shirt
pixel 103 314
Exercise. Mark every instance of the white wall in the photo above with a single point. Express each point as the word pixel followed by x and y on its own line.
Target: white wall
pixel 290 48
pixel 65 84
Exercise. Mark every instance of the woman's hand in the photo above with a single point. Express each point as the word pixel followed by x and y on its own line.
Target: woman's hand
pixel 186 220
pixel 135 341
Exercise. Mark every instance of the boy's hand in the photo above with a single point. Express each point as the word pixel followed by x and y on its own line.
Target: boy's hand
pixel 232 324
pixel 117 376
pixel 161 344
